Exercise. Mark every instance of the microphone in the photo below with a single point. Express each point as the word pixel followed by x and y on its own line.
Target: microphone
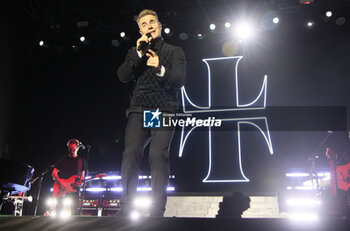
pixel 81 145
pixel 144 46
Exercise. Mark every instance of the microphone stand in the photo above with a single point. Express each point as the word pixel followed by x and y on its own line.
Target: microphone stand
pixel 84 185
pixel 314 158
pixel 39 188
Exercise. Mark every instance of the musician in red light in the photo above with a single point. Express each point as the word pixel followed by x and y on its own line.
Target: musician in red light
pixel 340 177
pixel 68 173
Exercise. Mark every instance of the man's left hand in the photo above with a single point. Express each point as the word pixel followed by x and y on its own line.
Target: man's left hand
pixel 153 59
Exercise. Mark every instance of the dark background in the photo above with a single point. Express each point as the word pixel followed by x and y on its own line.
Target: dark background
pixel 53 93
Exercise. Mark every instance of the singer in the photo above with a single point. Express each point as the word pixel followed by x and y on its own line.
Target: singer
pixel 158 70
pixel 69 172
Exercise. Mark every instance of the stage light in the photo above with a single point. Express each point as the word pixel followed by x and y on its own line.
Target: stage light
pixel 135 215
pixel 340 21
pixel 142 202
pixel 303 202
pixel 96 189
pixel 116 189
pixel 144 189
pixel 302 216
pixel 200 36
pixel 41 43
pixel 51 201
pixel 306 2
pixel 112 177
pixel 67 201
pixel 297 174
pixel 227 25
pixel 183 36
pixel 276 20
pixel 269 20
pixel 82 39
pixel 329 14
pixel 212 26
pixel 310 24
pixel 244 31
pixel 167 30
pixel 65 214
pixel 122 34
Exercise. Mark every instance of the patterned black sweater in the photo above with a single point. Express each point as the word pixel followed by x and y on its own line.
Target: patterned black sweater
pixel 152 91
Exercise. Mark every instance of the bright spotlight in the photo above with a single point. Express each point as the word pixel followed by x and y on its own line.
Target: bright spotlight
pixel 41 43
pixel 200 36
pixel 51 201
pixel 275 20
pixel 212 26
pixel 65 214
pixel 82 39
pixel 167 30
pixel 122 34
pixel 310 24
pixel 227 24
pixel 303 202
pixel 143 202
pixel 135 215
pixel 329 14
pixel 244 31
pixel 67 202
pixel 303 216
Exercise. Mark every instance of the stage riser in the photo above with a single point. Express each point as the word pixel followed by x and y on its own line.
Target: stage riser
pixel 208 206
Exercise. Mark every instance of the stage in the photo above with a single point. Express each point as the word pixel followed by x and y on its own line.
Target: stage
pixel 85 223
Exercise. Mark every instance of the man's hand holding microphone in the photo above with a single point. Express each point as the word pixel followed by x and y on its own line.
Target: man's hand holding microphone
pixel 143 45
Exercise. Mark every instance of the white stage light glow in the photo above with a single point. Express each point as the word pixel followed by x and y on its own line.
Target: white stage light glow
pixel 310 24
pixel 212 26
pixel 276 20
pixel 244 31
pixel 82 39
pixel 112 177
pixel 135 215
pixel 142 202
pixel 96 189
pixel 67 201
pixel 167 30
pixel 227 25
pixel 41 43
pixel 64 214
pixel 51 201
pixel 299 216
pixel 122 34
pixel 303 202
pixel 329 14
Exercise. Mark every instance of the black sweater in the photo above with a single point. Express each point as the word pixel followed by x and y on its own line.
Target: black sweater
pixel 152 91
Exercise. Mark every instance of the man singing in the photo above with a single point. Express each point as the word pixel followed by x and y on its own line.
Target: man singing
pixel 158 70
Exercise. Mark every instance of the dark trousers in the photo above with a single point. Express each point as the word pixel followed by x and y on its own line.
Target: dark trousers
pixel 136 139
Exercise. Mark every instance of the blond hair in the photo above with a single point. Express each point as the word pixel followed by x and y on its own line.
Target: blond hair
pixel 146 12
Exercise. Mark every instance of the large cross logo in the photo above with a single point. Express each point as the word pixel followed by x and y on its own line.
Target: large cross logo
pixel 223 102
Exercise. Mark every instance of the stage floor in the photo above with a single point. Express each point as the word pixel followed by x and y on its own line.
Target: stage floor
pixel 85 223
